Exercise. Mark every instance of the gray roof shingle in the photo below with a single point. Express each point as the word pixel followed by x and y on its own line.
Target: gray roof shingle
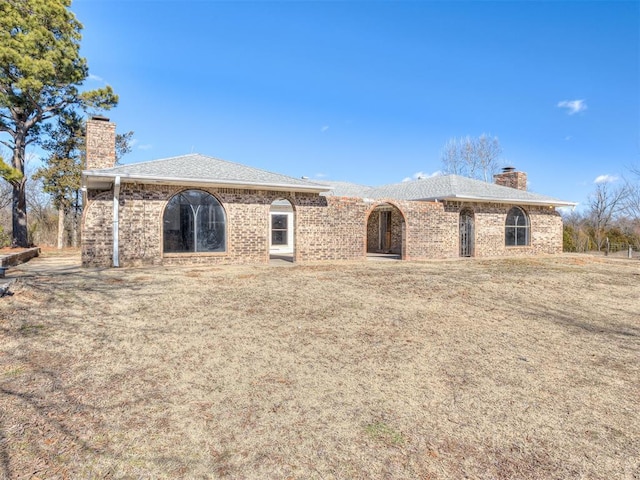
pixel 443 187
pixel 455 187
pixel 345 189
pixel 196 168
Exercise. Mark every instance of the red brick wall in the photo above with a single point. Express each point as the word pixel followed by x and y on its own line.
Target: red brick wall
pixel 330 228
pixel 326 228
pixel 545 229
pixel 432 232
pixel 101 144
pixel 513 179
pixel 97 218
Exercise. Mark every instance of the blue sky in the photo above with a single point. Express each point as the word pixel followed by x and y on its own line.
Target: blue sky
pixel 370 91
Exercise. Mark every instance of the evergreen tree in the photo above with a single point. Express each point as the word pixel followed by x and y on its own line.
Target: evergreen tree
pixel 62 169
pixel 41 72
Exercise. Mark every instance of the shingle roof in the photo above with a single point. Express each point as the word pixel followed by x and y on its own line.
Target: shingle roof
pixel 345 189
pixel 455 187
pixel 199 169
pixel 196 169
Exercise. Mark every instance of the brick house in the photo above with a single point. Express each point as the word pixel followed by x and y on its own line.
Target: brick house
pixel 196 209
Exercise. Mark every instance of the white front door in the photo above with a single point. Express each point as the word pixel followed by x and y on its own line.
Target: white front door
pixel 281 238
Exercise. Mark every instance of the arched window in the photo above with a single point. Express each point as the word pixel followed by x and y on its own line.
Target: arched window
pixel 516 231
pixel 194 221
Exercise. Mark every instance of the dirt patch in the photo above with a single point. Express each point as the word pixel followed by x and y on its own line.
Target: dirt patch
pixel 518 368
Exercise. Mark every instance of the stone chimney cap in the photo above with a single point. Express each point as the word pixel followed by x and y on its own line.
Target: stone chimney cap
pixel 508 169
pixel 100 118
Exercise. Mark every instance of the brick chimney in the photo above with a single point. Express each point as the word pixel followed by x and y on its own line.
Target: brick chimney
pixel 101 143
pixel 511 178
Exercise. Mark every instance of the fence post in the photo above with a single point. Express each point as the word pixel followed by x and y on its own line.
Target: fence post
pixel 630 251
pixel 608 247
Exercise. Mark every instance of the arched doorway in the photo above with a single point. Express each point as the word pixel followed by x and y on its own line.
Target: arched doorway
pixel 281 230
pixel 386 231
pixel 467 233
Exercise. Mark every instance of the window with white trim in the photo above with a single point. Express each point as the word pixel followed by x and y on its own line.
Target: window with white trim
pixel 516 232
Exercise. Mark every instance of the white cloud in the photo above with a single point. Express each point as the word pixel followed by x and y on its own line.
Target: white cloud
pixel 321 175
pixel 421 175
pixel 95 78
pixel 605 179
pixel 324 128
pixel 573 106
pixel 134 143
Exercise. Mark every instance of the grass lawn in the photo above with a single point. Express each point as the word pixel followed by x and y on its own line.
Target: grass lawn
pixel 496 369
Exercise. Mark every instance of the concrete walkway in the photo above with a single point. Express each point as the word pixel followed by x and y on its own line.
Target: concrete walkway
pixel 67 263
pixel 46 264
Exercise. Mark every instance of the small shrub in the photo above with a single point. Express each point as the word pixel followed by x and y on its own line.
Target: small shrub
pixel 5 238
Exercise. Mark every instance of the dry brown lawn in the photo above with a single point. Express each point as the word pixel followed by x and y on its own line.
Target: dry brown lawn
pixel 496 369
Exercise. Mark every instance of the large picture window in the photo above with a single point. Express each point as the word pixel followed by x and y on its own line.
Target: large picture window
pixel 516 228
pixel 194 221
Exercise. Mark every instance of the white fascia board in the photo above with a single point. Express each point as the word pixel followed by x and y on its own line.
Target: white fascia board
pixel 543 203
pixel 98 180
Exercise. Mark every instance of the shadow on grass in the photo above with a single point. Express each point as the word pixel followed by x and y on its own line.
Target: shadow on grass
pixel 577 320
pixel 41 404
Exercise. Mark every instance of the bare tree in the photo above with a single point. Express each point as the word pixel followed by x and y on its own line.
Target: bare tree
pixel 42 214
pixel 488 151
pixel 632 203
pixel 467 151
pixel 477 158
pixel 452 158
pixel 6 191
pixel 605 203
pixel 575 236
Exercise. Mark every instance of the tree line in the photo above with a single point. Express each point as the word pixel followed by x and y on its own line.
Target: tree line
pixel 611 217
